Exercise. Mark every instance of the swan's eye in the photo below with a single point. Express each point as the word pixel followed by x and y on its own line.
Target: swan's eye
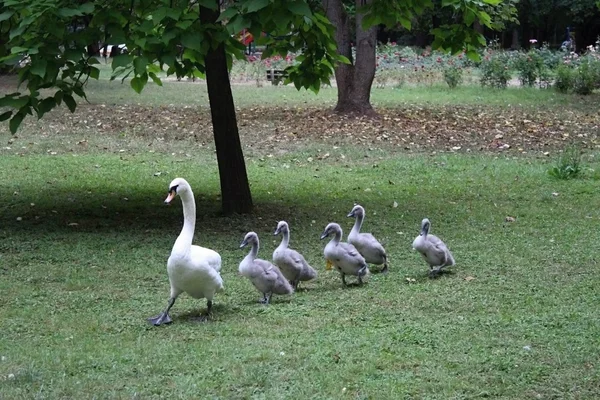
pixel 173 189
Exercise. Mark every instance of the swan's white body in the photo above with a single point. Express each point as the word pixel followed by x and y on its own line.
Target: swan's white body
pixel 344 256
pixel 265 277
pixel 365 243
pixel 191 269
pixel 433 249
pixel 291 263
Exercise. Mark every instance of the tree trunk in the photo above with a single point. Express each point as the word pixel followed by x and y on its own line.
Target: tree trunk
pixel 353 80
pixel 235 190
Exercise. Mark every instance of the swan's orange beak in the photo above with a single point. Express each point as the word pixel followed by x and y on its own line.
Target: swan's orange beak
pixel 170 197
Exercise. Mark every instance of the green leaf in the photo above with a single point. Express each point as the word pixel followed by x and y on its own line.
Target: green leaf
pixel 469 17
pixel 87 8
pixel 14 102
pixel 5 16
pixel 137 83
pixel 5 115
pixel 492 2
pixel 139 65
pixel 228 14
pixel 15 121
pixel 68 12
pixel 46 105
pixel 300 7
pixel 405 22
pixel 19 49
pixel 16 32
pixel 255 5
pixel 39 68
pixel 122 60
pixel 155 78
pixel 94 73
pixel 191 41
pixel 70 102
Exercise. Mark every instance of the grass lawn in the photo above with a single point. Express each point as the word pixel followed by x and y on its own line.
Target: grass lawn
pixel 84 239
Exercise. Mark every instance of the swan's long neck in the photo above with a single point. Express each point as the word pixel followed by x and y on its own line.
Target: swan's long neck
pixel 358 223
pixel 337 238
pixel 424 231
pixel 254 250
pixel 285 240
pixel 183 243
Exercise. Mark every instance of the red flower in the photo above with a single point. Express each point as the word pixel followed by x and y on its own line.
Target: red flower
pixel 393 43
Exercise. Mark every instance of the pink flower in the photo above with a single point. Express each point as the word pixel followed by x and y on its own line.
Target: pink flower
pixel 532 41
pixel 393 43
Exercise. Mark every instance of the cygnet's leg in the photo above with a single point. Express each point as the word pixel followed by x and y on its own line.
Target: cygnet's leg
pixel 362 272
pixel 343 278
pixel 434 271
pixel 385 269
pixel 163 318
pixel 267 298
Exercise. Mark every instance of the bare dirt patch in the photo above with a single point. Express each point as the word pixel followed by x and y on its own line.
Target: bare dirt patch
pixel 413 128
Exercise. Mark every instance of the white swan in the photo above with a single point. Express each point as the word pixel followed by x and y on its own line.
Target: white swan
pixel 433 250
pixel 191 269
pixel 291 263
pixel 265 277
pixel 344 256
pixel 365 243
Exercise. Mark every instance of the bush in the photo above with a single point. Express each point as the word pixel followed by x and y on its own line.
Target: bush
pixel 531 67
pixel 494 71
pixel 453 75
pixel 587 77
pixel 565 76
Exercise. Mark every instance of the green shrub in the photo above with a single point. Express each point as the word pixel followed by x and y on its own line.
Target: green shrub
pixel 565 75
pixel 494 71
pixel 453 75
pixel 587 77
pixel 531 67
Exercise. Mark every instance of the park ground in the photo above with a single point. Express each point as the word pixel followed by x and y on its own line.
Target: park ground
pixel 84 238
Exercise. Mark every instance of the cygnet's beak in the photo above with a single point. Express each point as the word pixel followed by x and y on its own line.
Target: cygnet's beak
pixel 324 235
pixel 350 215
pixel 276 232
pixel 243 244
pixel 170 197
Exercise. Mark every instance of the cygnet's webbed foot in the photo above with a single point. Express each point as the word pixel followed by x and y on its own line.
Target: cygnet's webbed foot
pixel 434 272
pixel 163 318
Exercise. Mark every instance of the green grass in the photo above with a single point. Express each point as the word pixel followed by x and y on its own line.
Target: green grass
pixel 84 239
pixel 248 95
pixel 75 297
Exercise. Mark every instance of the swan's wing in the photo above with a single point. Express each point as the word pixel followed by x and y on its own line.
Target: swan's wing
pixel 349 251
pixel 211 257
pixel 273 278
pixel 296 258
pixel 266 271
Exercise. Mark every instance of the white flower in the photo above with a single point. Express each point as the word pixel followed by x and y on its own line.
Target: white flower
pixel 532 41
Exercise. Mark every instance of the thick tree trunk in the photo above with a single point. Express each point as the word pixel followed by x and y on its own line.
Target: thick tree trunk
pixel 354 81
pixel 235 190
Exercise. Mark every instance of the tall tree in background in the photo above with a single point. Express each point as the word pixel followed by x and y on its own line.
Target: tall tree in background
pixel 354 80
pixel 180 37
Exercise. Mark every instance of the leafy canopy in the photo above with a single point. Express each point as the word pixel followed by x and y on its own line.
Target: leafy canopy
pixel 51 38
pixel 457 34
